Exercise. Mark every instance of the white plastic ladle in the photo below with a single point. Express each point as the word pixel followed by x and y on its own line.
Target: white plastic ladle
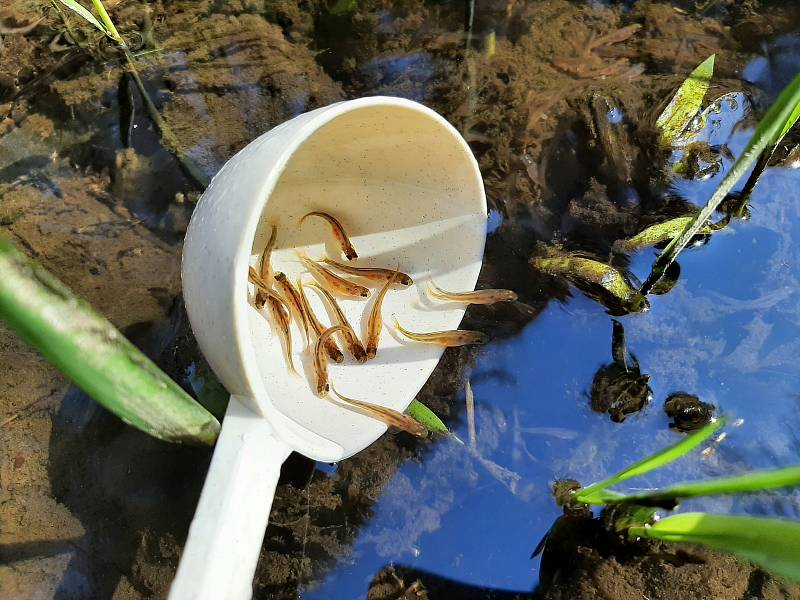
pixel 407 188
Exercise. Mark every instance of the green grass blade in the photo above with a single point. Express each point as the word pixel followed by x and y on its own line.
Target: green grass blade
pixel 95 355
pixel 426 417
pixel 769 128
pixel 686 102
pixel 773 544
pixel 757 481
pixel 107 22
pixel 86 15
pixel 597 493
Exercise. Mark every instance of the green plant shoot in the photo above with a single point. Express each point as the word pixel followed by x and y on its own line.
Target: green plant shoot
pixel 596 494
pixel 774 122
pixel 95 355
pixel 686 103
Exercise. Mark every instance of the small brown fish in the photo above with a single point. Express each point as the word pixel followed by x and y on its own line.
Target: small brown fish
pixel 391 417
pixel 371 273
pixel 375 322
pixel 281 315
pixel 354 346
pixel 338 232
pixel 265 267
pixel 333 281
pixel 330 345
pixel 293 300
pixel 262 289
pixel 474 297
pixel 456 337
pixel 320 362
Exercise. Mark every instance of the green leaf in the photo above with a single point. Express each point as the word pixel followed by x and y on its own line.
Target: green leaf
pixel 83 12
pixel 656 233
pixel 601 282
pixel 757 481
pixel 343 7
pixel 686 102
pixel 426 417
pixel 773 544
pixel 768 132
pixel 95 355
pixel 597 494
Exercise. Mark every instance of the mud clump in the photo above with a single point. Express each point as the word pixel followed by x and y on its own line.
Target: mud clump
pixel 584 562
pixel 242 80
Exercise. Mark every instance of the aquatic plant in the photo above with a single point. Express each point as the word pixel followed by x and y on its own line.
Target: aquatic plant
pixel 773 126
pixel 95 355
pixel 426 417
pixel 107 27
pixel 599 281
pixel 771 543
pixel 685 104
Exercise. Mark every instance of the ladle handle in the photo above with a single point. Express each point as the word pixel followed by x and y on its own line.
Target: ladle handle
pixel 219 559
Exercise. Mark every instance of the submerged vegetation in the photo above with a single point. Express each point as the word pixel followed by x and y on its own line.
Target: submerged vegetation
pixel 771 543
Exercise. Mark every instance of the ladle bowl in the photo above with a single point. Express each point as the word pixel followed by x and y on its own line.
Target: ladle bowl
pixel 406 187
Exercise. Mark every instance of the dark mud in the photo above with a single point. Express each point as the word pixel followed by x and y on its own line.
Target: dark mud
pixel 91 508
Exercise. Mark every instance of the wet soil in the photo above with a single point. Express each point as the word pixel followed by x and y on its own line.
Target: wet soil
pixel 91 508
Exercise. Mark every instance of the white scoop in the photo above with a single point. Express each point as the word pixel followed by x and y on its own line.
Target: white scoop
pixel 408 191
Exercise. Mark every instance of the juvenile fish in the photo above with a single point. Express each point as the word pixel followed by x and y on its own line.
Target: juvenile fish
pixel 265 267
pixel 320 363
pixel 338 233
pixel 352 342
pixel 336 283
pixel 330 345
pixel 391 417
pixel 375 321
pixel 456 337
pixel 281 316
pixel 474 297
pixel 293 300
pixel 371 273
pixel 262 289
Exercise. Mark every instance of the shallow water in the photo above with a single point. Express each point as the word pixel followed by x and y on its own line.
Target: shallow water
pixel 728 332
